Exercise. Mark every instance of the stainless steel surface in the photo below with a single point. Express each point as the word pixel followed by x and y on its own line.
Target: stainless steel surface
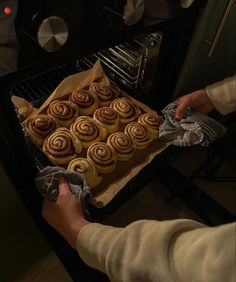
pixel 133 11
pixel 220 28
pixel 186 3
pixel 127 64
pixel 52 33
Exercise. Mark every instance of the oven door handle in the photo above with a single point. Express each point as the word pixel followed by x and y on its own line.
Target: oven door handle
pixel 220 28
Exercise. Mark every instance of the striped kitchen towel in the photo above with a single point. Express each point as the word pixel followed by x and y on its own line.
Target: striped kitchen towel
pixel 194 128
pixel 47 182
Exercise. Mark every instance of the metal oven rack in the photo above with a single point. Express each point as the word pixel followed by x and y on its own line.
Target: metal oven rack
pixel 127 63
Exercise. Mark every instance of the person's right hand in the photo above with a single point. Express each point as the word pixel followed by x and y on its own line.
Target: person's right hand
pixel 65 215
pixel 197 100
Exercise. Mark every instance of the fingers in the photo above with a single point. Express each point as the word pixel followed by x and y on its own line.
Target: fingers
pixel 183 105
pixel 63 186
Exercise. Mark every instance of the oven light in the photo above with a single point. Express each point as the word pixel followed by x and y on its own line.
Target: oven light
pixel 7 10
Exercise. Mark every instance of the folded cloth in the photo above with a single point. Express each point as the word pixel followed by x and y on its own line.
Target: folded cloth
pixel 47 181
pixel 194 128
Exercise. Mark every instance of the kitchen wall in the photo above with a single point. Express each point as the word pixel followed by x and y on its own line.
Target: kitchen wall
pixel 21 243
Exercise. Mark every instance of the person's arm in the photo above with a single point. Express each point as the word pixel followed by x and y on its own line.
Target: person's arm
pixel 220 96
pixel 223 95
pixel 175 250
pixel 65 215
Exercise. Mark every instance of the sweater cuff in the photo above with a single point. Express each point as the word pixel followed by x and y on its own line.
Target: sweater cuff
pixel 223 95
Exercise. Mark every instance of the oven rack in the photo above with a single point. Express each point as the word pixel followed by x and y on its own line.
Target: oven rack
pixel 124 64
pixel 37 88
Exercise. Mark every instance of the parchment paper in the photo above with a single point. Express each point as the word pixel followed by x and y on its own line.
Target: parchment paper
pixel 113 182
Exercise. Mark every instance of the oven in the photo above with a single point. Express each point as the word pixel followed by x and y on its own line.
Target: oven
pixel 140 53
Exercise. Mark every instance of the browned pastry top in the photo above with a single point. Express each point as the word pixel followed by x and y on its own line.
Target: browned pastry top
pixel 85 128
pixel 101 154
pixel 63 110
pixel 104 91
pixel 106 115
pixel 83 98
pixel 126 109
pixel 40 124
pixel 151 120
pixel 121 143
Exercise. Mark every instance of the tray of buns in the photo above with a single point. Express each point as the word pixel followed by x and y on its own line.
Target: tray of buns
pixel 89 125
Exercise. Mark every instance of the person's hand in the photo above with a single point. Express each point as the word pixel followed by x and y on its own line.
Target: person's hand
pixel 198 101
pixel 65 215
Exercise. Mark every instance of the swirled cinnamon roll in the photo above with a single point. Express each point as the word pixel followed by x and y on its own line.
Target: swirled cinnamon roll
pixel 61 147
pixel 86 100
pixel 64 112
pixel 39 127
pixel 139 134
pixel 87 169
pixel 126 109
pixel 123 145
pixel 102 156
pixel 87 130
pixel 152 122
pixel 104 92
pixel 108 118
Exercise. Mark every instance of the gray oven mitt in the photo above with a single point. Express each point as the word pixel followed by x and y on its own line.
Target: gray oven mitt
pixel 194 128
pixel 47 184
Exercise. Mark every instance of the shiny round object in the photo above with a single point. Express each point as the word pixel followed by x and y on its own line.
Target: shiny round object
pixel 52 33
pixel 133 11
pixel 186 3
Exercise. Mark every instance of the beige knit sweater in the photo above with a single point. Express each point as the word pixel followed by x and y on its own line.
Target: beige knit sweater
pixel 176 250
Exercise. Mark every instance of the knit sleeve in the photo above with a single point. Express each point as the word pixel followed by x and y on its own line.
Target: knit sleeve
pixel 223 95
pixel 177 250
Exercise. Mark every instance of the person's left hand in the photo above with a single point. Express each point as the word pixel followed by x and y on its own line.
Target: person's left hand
pixel 65 215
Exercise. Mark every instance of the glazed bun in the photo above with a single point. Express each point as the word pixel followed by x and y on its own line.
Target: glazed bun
pixel 139 134
pixel 87 130
pixel 102 156
pixel 108 118
pixel 123 145
pixel 126 109
pixel 152 123
pixel 87 169
pixel 61 147
pixel 105 93
pixel 39 127
pixel 86 100
pixel 64 112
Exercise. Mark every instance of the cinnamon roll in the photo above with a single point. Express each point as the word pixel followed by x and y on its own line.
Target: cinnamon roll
pixel 87 169
pixel 61 147
pixel 64 112
pixel 126 109
pixel 152 122
pixel 139 134
pixel 108 118
pixel 102 156
pixel 123 145
pixel 39 127
pixel 87 130
pixel 86 100
pixel 104 92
